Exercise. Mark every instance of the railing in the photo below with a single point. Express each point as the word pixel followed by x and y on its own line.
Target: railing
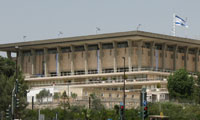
pixel 103 72
pixel 102 82
pixel 158 89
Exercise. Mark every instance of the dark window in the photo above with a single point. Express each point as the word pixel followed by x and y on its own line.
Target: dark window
pixel 79 72
pixel 158 46
pixel 108 70
pixel 39 52
pixel 93 47
pixel 79 48
pixel 27 53
pixel 181 50
pixel 52 51
pixel 65 49
pixel 92 71
pixel 122 69
pixel 107 46
pixel 53 74
pixel 65 73
pixel 170 48
pixel 147 45
pixel 122 44
pixel 191 51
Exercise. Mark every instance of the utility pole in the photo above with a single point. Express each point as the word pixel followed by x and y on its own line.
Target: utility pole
pixel 123 116
pixel 143 104
pixel 14 91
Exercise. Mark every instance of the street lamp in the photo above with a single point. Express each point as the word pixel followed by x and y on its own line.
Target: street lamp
pixel 123 117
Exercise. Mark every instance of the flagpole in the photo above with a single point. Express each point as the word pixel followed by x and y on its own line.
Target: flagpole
pixel 174 25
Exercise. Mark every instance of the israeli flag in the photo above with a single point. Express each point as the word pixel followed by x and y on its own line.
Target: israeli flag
pixel 179 21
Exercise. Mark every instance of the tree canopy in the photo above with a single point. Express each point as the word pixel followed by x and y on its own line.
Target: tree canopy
pixel 197 89
pixel 7 81
pixel 43 94
pixel 180 85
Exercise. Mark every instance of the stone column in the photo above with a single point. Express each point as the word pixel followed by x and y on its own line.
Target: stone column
pixel 33 59
pixel 185 57
pixel 130 55
pixel 152 49
pixel 163 55
pixel 45 62
pixel 140 43
pixel 99 67
pixel 9 54
pixel 196 59
pixel 86 58
pixel 115 57
pixel 59 53
pixel 72 60
pixel 175 54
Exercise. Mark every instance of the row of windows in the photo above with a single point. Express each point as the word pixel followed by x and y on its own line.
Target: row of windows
pixel 105 46
pixel 157 54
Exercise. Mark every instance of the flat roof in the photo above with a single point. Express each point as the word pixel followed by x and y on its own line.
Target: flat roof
pixel 71 40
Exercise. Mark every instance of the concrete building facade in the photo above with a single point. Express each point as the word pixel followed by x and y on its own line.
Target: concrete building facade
pixel 94 63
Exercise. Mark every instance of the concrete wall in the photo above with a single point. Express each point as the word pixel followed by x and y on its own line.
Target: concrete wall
pixel 169 60
pixel 108 61
pixel 65 63
pixel 79 61
pixel 107 58
pixel 92 60
pixel 51 63
pixel 135 57
pixel 39 64
pixel 191 63
pixel 180 61
pixel 122 52
pixel 27 65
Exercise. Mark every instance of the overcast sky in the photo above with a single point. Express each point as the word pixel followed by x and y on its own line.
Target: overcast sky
pixel 43 19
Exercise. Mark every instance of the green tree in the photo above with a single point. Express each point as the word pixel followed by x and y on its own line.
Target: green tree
pixel 65 103
pixel 197 89
pixel 180 85
pixel 175 111
pixel 96 102
pixel 7 81
pixel 43 94
pixel 74 95
pixel 56 96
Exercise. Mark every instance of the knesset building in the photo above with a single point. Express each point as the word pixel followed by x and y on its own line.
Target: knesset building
pixel 95 64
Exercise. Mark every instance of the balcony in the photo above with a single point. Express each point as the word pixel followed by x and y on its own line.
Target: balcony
pixel 106 71
pixel 100 83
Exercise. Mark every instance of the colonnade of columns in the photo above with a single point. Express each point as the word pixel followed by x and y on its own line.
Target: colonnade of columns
pixel 130 54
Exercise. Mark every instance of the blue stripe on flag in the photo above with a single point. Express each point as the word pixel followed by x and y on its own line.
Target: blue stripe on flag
pixel 180 18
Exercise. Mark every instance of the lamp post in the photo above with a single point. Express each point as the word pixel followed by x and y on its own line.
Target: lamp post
pixel 123 117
